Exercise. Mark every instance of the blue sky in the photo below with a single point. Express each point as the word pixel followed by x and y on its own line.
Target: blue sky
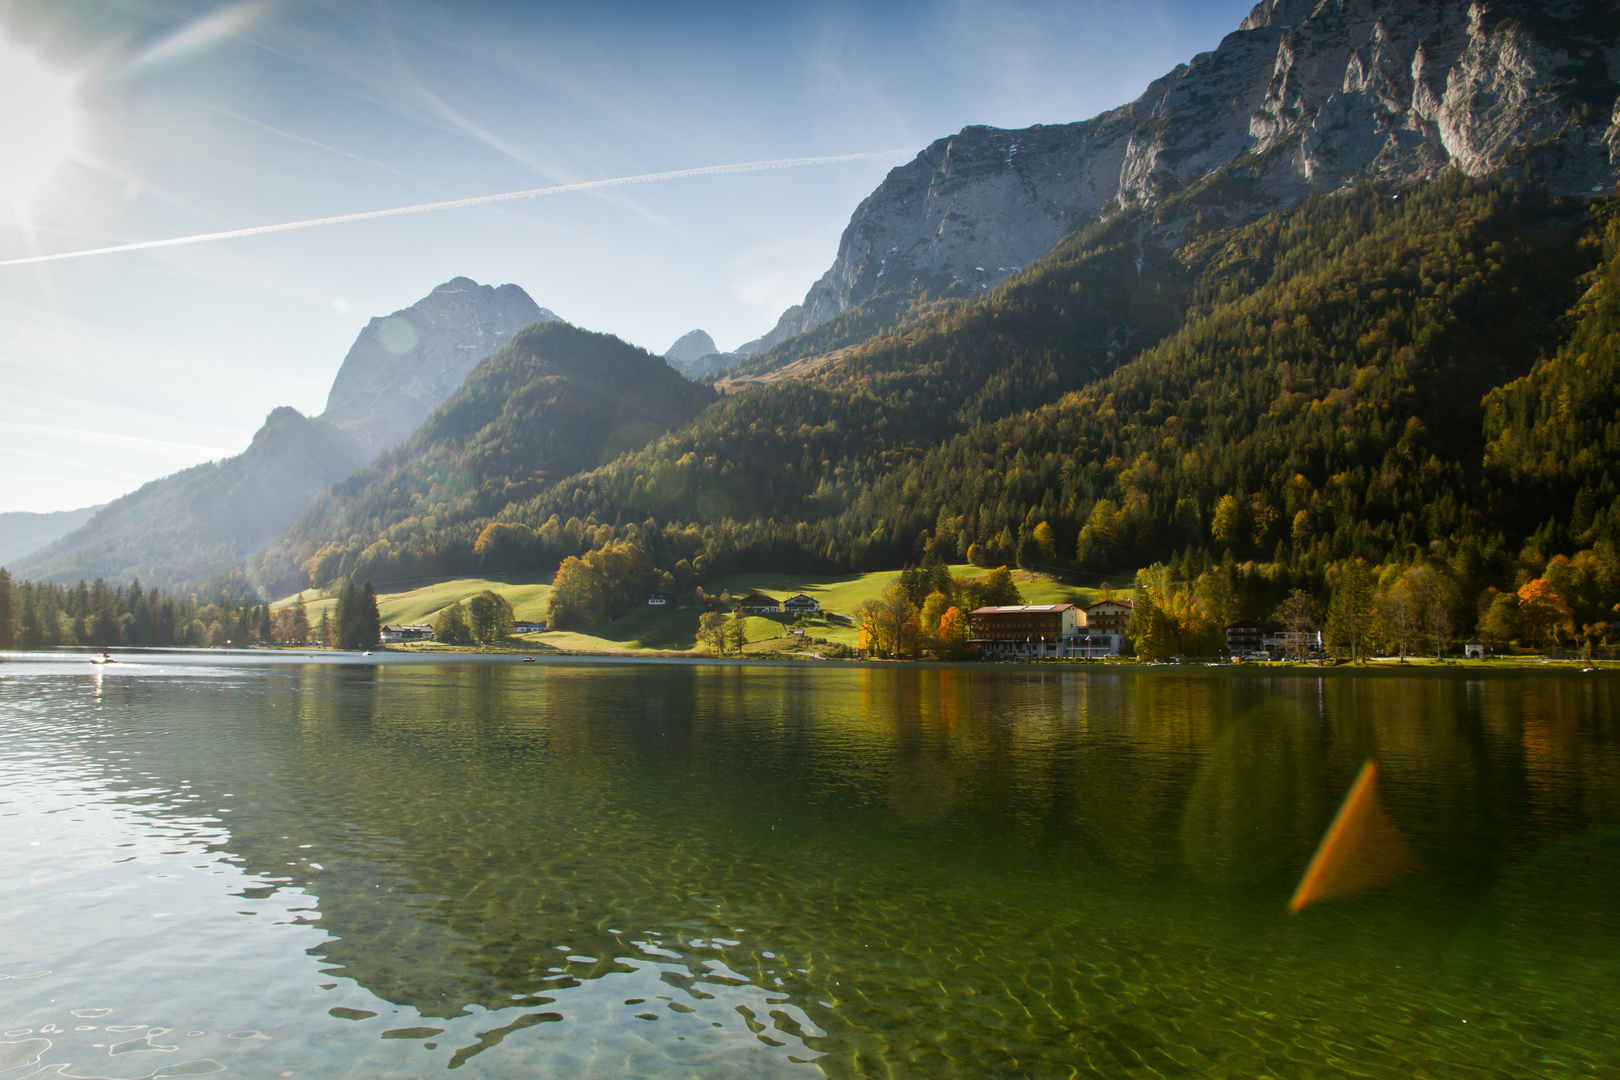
pixel 186 118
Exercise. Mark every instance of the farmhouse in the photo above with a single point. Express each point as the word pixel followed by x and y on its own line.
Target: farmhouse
pixel 758 604
pixel 800 605
pixel 1108 617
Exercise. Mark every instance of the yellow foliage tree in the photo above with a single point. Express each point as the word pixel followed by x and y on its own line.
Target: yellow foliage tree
pixel 1543 611
pixel 953 632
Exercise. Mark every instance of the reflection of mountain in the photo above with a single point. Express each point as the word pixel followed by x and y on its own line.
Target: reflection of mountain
pixel 980 862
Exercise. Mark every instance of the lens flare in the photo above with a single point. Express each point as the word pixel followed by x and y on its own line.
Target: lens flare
pixel 40 122
pixel 1362 849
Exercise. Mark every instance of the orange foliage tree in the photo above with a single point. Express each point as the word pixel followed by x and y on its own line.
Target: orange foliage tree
pixel 1543 611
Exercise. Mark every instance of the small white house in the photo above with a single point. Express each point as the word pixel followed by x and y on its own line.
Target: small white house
pixel 800 605
pixel 1474 649
pixel 659 598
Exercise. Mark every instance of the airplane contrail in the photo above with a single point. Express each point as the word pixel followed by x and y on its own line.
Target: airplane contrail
pixel 456 204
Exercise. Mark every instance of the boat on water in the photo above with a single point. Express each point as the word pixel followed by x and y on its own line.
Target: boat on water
pixel 104 658
pixel 528 659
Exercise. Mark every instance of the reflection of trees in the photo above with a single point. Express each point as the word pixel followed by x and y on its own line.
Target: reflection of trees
pixel 1251 814
pixel 937 849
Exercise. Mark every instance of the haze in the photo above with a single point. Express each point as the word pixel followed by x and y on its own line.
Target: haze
pixel 159 120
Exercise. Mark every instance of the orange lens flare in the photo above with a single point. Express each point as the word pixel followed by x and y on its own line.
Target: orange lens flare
pixel 1361 850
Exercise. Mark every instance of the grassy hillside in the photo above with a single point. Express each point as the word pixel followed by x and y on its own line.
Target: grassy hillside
pixel 527 593
pixel 649 629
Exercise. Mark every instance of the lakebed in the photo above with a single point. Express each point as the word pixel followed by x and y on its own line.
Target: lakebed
pixel 277 864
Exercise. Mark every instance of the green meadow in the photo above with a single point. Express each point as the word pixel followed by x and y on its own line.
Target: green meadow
pixel 655 630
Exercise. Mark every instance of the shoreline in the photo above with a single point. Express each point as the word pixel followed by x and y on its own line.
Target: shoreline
pixel 1247 669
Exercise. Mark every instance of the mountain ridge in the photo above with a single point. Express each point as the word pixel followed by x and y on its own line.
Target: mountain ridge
pixel 1301 97
pixel 203 523
pixel 403 365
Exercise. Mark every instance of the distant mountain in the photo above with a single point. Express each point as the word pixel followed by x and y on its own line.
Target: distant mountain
pixel 1303 96
pixel 201 525
pixel 692 346
pixel 697 357
pixel 555 401
pixel 22 533
pixel 403 365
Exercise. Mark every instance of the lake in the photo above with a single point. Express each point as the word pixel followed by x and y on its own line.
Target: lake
pixel 269 866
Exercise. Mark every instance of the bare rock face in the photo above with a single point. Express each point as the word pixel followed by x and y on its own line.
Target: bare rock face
pixel 691 347
pixel 404 365
pixel 1306 95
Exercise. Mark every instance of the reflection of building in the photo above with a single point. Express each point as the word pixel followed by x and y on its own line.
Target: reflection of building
pixel 406 632
pixel 1038 630
pixel 800 605
pixel 1474 649
pixel 758 604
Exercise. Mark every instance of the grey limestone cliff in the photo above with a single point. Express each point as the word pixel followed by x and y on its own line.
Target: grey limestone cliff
pixel 1302 96
pixel 691 347
pixel 404 365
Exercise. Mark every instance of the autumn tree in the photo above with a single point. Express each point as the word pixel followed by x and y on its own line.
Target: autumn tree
pixel 1300 615
pixel 1352 610
pixel 451 626
pixel 490 616
pixel 737 633
pixel 933 611
pixel 1544 612
pixel 712 631
pixel 953 632
pixel 1152 631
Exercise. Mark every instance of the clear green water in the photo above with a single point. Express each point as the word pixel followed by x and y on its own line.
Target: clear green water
pixel 236 867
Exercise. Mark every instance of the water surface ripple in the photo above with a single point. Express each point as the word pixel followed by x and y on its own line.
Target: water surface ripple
pixel 285 867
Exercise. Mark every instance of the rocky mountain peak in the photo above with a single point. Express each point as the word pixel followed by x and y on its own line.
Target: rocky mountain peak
pixel 402 366
pixel 690 347
pixel 1302 96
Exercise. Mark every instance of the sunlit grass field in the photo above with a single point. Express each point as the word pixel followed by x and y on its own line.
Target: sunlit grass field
pixel 663 630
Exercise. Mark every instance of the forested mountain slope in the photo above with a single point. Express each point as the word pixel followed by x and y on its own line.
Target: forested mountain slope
pixel 1321 384
pixel 199 527
pixel 556 400
pixel 1333 385
pixel 201 524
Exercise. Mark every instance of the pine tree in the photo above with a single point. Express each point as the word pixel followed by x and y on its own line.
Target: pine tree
pixel 368 621
pixel 346 611
pixel 7 630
